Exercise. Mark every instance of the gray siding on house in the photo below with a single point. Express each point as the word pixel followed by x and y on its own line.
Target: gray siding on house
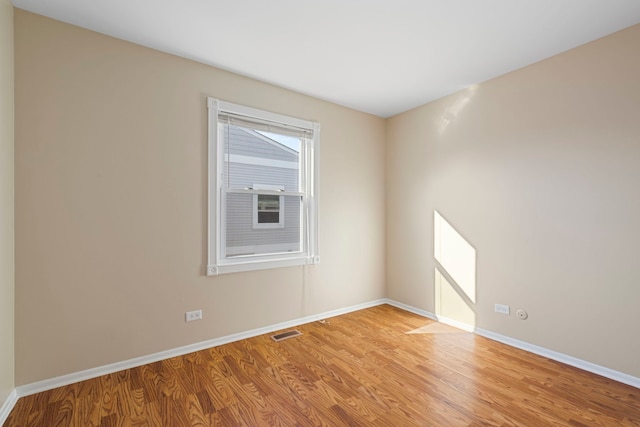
pixel 244 175
pixel 240 231
pixel 241 237
pixel 248 143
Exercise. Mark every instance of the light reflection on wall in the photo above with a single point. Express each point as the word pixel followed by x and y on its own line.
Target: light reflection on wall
pixel 455 281
pixel 452 112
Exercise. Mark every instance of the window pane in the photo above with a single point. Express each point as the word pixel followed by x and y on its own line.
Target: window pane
pixel 252 156
pixel 268 217
pixel 268 202
pixel 242 239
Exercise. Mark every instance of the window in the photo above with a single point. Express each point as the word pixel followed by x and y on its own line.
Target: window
pixel 263 202
pixel 268 209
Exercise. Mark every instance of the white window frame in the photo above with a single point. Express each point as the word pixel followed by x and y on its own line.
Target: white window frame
pixel 217 262
pixel 256 223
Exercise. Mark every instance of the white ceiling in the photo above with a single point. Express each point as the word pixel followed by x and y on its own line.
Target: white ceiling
pixel 378 56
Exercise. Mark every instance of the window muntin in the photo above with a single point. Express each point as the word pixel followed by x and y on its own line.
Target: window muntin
pixel 263 189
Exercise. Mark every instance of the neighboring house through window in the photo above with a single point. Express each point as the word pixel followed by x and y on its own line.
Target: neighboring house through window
pixel 262 189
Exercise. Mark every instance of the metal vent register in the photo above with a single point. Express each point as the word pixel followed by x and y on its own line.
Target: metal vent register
pixel 286 335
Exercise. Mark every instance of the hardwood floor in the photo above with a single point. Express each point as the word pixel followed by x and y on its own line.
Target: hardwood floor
pixel 359 369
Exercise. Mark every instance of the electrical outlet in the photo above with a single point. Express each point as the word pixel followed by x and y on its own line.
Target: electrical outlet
pixel 501 308
pixel 193 315
pixel 522 314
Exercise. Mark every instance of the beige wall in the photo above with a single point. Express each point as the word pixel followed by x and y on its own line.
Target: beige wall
pixel 539 172
pixel 6 202
pixel 111 204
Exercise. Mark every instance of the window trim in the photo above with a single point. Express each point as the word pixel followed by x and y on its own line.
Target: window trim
pixel 217 263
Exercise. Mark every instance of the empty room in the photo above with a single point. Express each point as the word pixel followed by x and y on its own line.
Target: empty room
pixel 364 213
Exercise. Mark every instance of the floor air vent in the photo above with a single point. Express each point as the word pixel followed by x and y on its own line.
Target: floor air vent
pixel 286 335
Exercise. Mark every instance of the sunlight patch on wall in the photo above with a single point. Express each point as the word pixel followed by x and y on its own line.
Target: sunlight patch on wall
pixel 452 303
pixel 452 112
pixel 456 256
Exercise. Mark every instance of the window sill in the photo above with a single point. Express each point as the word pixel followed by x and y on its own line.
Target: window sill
pixel 237 267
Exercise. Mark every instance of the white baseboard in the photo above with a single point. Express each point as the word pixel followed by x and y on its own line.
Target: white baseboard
pixel 63 380
pixel 8 405
pixel 411 309
pixel 522 345
pixel 563 358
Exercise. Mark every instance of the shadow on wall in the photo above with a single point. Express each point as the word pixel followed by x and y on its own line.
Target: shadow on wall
pixel 455 276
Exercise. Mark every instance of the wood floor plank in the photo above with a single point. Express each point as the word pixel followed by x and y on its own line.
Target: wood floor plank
pixel 376 367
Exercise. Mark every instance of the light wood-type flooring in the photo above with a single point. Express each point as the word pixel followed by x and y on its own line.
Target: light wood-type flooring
pixel 376 367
